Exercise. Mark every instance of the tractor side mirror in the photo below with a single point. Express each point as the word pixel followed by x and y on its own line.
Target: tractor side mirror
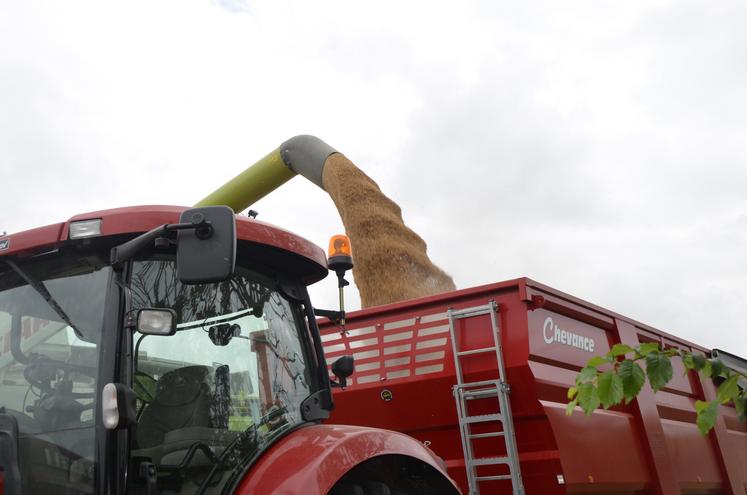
pixel 343 368
pixel 206 253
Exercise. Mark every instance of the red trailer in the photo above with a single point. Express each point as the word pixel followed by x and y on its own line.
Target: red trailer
pixel 407 379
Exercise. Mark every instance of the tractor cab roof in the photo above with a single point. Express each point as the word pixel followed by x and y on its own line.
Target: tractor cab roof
pixel 304 257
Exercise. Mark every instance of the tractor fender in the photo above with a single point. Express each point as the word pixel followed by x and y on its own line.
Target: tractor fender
pixel 312 459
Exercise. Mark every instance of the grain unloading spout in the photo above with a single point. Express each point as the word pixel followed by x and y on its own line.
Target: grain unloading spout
pixel 391 263
pixel 304 155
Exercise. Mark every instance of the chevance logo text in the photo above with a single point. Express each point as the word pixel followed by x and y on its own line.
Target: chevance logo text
pixel 552 333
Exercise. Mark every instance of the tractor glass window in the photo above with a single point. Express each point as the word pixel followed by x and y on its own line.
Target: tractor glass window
pixel 231 379
pixel 51 316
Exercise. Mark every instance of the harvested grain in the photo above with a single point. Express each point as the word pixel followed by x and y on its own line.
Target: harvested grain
pixel 390 259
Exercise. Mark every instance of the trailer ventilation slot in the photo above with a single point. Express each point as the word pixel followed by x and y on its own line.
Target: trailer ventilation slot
pixel 398 336
pixel 404 349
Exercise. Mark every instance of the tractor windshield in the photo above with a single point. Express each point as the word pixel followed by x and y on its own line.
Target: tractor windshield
pixel 229 381
pixel 51 318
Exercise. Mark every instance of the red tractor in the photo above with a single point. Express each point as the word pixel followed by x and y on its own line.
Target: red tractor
pixel 163 349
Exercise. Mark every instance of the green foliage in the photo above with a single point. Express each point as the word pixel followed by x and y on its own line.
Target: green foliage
pixel 633 377
pixel 717 369
pixel 728 389
pixel 740 404
pixel 658 369
pixel 588 397
pixel 706 415
pixel 596 361
pixel 623 379
pixel 572 393
pixel 698 361
pixel 588 373
pixel 647 348
pixel 620 350
pixel 610 387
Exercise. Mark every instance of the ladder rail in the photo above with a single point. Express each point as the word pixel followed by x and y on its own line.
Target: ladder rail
pixel 466 443
pixel 457 365
pixel 486 389
pixel 505 403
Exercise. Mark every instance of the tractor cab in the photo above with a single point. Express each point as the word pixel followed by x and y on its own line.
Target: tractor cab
pixel 157 362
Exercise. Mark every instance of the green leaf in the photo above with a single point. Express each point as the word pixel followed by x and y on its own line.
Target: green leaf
pixel 596 361
pixel 570 407
pixel 718 368
pixel 659 370
pixel 610 389
pixel 729 389
pixel 620 350
pixel 587 374
pixel 699 361
pixel 687 360
pixel 633 377
pixel 588 397
pixel 572 393
pixel 672 351
pixel 740 404
pixel 707 369
pixel 706 415
pixel 647 348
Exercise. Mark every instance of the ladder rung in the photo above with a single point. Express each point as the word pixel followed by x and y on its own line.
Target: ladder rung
pixel 480 394
pixel 494 478
pixel 489 461
pixel 492 434
pixel 484 383
pixel 483 418
pixel 475 351
pixel 466 313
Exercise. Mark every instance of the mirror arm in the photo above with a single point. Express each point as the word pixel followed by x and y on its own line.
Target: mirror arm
pixel 342 383
pixel 334 316
pixel 126 251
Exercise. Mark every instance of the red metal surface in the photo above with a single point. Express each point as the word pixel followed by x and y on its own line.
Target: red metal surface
pixel 405 371
pixel 138 219
pixel 32 240
pixel 312 459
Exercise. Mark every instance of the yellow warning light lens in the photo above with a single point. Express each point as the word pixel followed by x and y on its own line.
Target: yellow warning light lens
pixel 339 245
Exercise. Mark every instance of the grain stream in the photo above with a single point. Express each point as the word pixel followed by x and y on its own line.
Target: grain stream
pixel 391 262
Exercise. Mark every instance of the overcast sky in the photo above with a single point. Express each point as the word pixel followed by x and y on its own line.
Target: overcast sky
pixel 598 147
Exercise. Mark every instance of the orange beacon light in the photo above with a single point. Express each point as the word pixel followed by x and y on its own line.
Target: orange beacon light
pixel 340 260
pixel 340 254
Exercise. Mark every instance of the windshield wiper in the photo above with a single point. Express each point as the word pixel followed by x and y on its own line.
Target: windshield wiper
pixel 41 289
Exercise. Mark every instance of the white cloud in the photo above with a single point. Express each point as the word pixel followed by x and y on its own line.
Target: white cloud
pixel 598 148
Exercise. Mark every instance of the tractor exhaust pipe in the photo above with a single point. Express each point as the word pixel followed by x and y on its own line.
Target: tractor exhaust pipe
pixel 391 263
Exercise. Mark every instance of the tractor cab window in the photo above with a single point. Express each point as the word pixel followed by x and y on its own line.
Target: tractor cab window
pixel 51 317
pixel 229 381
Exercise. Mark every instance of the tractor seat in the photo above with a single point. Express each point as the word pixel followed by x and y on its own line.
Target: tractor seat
pixel 182 400
pixel 186 411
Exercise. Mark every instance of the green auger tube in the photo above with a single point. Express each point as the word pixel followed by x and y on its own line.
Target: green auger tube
pixel 304 155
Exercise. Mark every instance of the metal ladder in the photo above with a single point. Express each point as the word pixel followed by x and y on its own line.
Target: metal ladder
pixel 484 390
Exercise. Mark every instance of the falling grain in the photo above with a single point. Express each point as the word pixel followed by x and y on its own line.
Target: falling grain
pixel 390 259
